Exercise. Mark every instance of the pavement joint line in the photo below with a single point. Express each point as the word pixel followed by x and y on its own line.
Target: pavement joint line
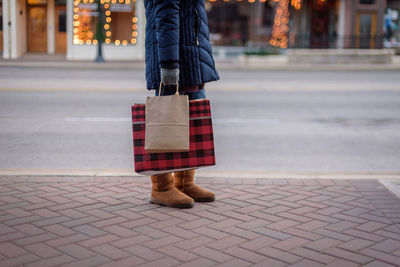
pixel 205 174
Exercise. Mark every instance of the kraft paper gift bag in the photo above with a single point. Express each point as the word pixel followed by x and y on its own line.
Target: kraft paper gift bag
pixel 167 123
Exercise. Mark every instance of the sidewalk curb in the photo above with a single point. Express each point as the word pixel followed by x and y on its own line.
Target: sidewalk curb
pixel 395 189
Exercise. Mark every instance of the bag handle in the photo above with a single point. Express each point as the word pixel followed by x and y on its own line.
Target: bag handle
pixel 160 89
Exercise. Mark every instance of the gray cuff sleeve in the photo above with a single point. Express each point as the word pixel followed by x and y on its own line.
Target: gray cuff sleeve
pixel 170 76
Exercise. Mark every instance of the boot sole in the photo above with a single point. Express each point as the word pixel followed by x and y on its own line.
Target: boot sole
pixel 180 206
pixel 204 199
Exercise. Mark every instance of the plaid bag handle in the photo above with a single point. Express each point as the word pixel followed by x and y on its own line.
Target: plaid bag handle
pixel 160 89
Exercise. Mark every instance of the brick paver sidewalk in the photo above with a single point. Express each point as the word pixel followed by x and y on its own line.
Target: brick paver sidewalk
pixel 61 221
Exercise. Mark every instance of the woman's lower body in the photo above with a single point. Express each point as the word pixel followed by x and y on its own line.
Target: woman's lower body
pixel 178 189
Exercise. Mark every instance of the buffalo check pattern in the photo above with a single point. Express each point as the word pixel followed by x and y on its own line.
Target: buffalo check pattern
pixel 201 153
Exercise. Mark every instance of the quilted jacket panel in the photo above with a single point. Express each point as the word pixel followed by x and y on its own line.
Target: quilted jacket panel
pixel 177 36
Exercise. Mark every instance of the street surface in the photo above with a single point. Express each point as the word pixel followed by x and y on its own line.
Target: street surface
pixel 264 121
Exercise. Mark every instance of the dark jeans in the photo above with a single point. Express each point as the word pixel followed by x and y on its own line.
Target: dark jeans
pixel 170 90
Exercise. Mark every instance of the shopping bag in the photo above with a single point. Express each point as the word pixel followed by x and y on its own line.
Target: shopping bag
pixel 167 123
pixel 201 147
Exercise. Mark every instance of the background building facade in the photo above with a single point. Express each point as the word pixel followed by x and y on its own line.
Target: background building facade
pixel 338 24
pixel 69 27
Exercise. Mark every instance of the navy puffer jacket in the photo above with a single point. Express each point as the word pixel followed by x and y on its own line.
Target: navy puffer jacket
pixel 177 36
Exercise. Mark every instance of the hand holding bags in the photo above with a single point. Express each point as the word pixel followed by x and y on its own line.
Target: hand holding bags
pixel 200 154
pixel 167 123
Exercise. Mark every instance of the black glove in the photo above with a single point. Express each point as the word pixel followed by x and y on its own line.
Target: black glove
pixel 170 76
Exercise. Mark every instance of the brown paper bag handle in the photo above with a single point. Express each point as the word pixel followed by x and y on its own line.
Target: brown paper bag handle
pixel 160 89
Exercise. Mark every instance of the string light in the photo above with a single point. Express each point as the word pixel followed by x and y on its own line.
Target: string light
pixel 296 4
pixel 280 29
pixel 83 22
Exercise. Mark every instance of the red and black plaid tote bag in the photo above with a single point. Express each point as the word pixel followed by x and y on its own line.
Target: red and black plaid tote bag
pixel 201 153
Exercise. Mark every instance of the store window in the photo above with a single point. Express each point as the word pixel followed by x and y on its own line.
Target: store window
pixel 240 23
pixel 61 14
pixel 61 26
pixel 85 22
pixel 120 22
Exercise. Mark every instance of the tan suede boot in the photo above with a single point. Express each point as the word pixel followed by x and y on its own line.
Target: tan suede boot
pixel 165 193
pixel 184 181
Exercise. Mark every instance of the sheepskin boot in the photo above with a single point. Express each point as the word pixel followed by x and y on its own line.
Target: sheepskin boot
pixel 184 181
pixel 165 193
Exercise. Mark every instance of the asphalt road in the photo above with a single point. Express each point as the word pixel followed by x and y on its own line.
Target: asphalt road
pixel 329 130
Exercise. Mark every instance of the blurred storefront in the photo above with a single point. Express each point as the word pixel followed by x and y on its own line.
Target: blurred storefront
pixel 338 24
pixel 69 27
pixel 298 23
